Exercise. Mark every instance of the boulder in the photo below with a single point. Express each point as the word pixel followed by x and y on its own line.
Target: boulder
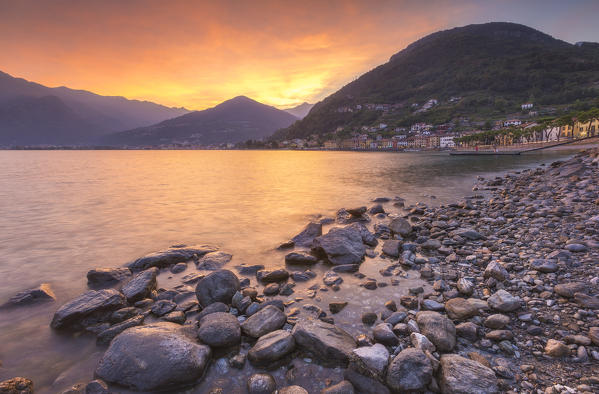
pixel 107 335
pixel 90 307
pixel 391 247
pixel 341 245
pixel 497 321
pixel 264 321
pixel 383 333
pixel 261 383
pixel 218 286
pixel 155 357
pixel 141 286
pixel 438 329
pixel 503 301
pixel 409 371
pixel 42 293
pixel 556 349
pixel 162 307
pixel 214 261
pixel 219 329
pixel 586 301
pixel 401 226
pixel 300 258
pixel 267 276
pixel 107 276
pixel 305 238
pixel 460 375
pixel 292 390
pixel 373 359
pixel 360 384
pixel 173 255
pixel 496 271
pixel 272 347
pixel 367 237
pixel 326 341
pixel 460 309
pixel 16 386
pixel 568 290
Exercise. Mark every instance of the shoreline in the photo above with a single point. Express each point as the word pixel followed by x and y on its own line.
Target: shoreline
pixel 465 269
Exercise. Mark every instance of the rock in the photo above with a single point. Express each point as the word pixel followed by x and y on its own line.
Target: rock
pixel 271 289
pixel 364 384
pixel 16 386
pixel 96 386
pixel 331 278
pixel 594 335
pixel 391 247
pixel 305 276
pixel 154 357
pixel 460 309
pixel 438 329
pixel 107 335
pixel 576 248
pixel 373 358
pixel 336 307
pixel 568 290
pixel 279 275
pixel 42 293
pixel 272 347
pixel 465 286
pixel 369 318
pixel 261 383
pixel 431 305
pixel 170 256
pixel 383 333
pixel 162 307
pixel 346 268
pixel 300 258
pixel 367 237
pixel 264 321
pixel 219 286
pixel 401 226
pixel 496 271
pixel 586 301
pixel 503 301
pixel 556 349
pixel 409 371
pixel 305 238
pixel 292 390
pixel 544 266
pixel 328 342
pixel 245 269
pixel 90 307
pixel 212 308
pixel 213 261
pixel 141 286
pixel 421 342
pixel 341 245
pixel 396 317
pixel 467 330
pixel 497 321
pixel 377 208
pixel 343 387
pixel 357 212
pixel 107 276
pixel 179 267
pixel 460 375
pixel 175 317
pixel 219 329
pixel 431 244
pixel 468 233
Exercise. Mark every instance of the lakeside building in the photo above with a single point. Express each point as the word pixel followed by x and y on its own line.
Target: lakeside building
pixel 512 122
pixel 581 130
pixel 526 106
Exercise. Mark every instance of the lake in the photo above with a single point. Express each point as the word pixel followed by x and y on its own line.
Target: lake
pixel 65 212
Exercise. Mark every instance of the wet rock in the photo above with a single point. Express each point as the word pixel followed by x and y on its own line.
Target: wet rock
pixel 271 289
pixel 331 278
pixel 212 308
pixel 266 276
pixel 96 386
pixel 219 329
pixel 364 384
pixel 141 286
pixel 341 245
pixel 409 371
pixel 343 387
pixel 42 293
pixel 163 307
pixel 272 347
pixel 391 247
pixel 264 321
pixel 214 261
pixel 461 375
pixel 503 301
pixel 346 268
pixel 175 317
pixel 305 276
pixel 367 237
pixel 328 342
pixel 383 333
pixel 369 318
pixel 556 349
pixel 460 309
pixel 401 226
pixel 90 307
pixel 170 256
pixel 261 383
pixel 305 238
pixel 179 267
pixel 107 335
pixel 16 386
pixel 292 390
pixel 154 357
pixel 373 359
pixel 245 269
pixel 378 208
pixel 300 258
pixel 107 276
pixel 336 307
pixel 438 329
pixel 219 286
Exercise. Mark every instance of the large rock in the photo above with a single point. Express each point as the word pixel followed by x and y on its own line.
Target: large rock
pixel 90 307
pixel 219 329
pixel 154 357
pixel 409 371
pixel 367 237
pixel 16 386
pixel 107 335
pixel 503 301
pixel 107 276
pixel 460 375
pixel 496 270
pixel 326 341
pixel 170 256
pixel 261 383
pixel 373 359
pixel 568 290
pixel 300 258
pixel 341 245
pixel 214 261
pixel 272 347
pixel 460 309
pixel 401 226
pixel 438 329
pixel 391 247
pixel 264 321
pixel 42 293
pixel 141 286
pixel 305 238
pixel 219 286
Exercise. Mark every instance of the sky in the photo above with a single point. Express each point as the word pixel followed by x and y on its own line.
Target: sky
pixel 199 53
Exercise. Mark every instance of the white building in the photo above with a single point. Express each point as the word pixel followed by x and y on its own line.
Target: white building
pixel 512 122
pixel 446 141
pixel 527 106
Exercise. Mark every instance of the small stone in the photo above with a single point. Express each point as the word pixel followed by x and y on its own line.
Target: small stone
pixel 557 349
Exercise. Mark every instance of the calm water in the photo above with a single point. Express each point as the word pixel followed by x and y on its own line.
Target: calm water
pixel 65 212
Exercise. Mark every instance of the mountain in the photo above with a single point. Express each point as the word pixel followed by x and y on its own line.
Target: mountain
pixel 33 114
pixel 235 120
pixel 477 71
pixel 300 111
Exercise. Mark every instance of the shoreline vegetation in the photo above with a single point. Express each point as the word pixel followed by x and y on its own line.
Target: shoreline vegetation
pixel 508 300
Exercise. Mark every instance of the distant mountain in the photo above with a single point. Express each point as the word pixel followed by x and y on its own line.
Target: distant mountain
pixel 476 72
pixel 300 111
pixel 236 120
pixel 33 114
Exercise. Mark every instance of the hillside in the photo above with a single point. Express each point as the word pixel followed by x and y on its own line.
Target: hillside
pixel 300 111
pixel 33 114
pixel 476 71
pixel 232 121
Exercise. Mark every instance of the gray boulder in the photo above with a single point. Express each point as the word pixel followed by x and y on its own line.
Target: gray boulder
pixel 300 258
pixel 503 301
pixel 409 371
pixel 219 329
pixel 90 307
pixel 42 293
pixel 438 329
pixel 173 255
pixel 373 359
pixel 107 276
pixel 341 245
pixel 155 357
pixel 264 321
pixel 460 375
pixel 213 261
pixel 219 286
pixel 326 341
pixel 272 347
pixel 141 286
pixel 391 247
pixel 305 238
pixel 367 237
pixel 401 226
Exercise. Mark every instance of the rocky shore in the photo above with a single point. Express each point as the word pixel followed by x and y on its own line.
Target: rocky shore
pixel 498 293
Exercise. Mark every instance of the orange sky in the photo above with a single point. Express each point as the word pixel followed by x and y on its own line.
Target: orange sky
pixel 197 54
